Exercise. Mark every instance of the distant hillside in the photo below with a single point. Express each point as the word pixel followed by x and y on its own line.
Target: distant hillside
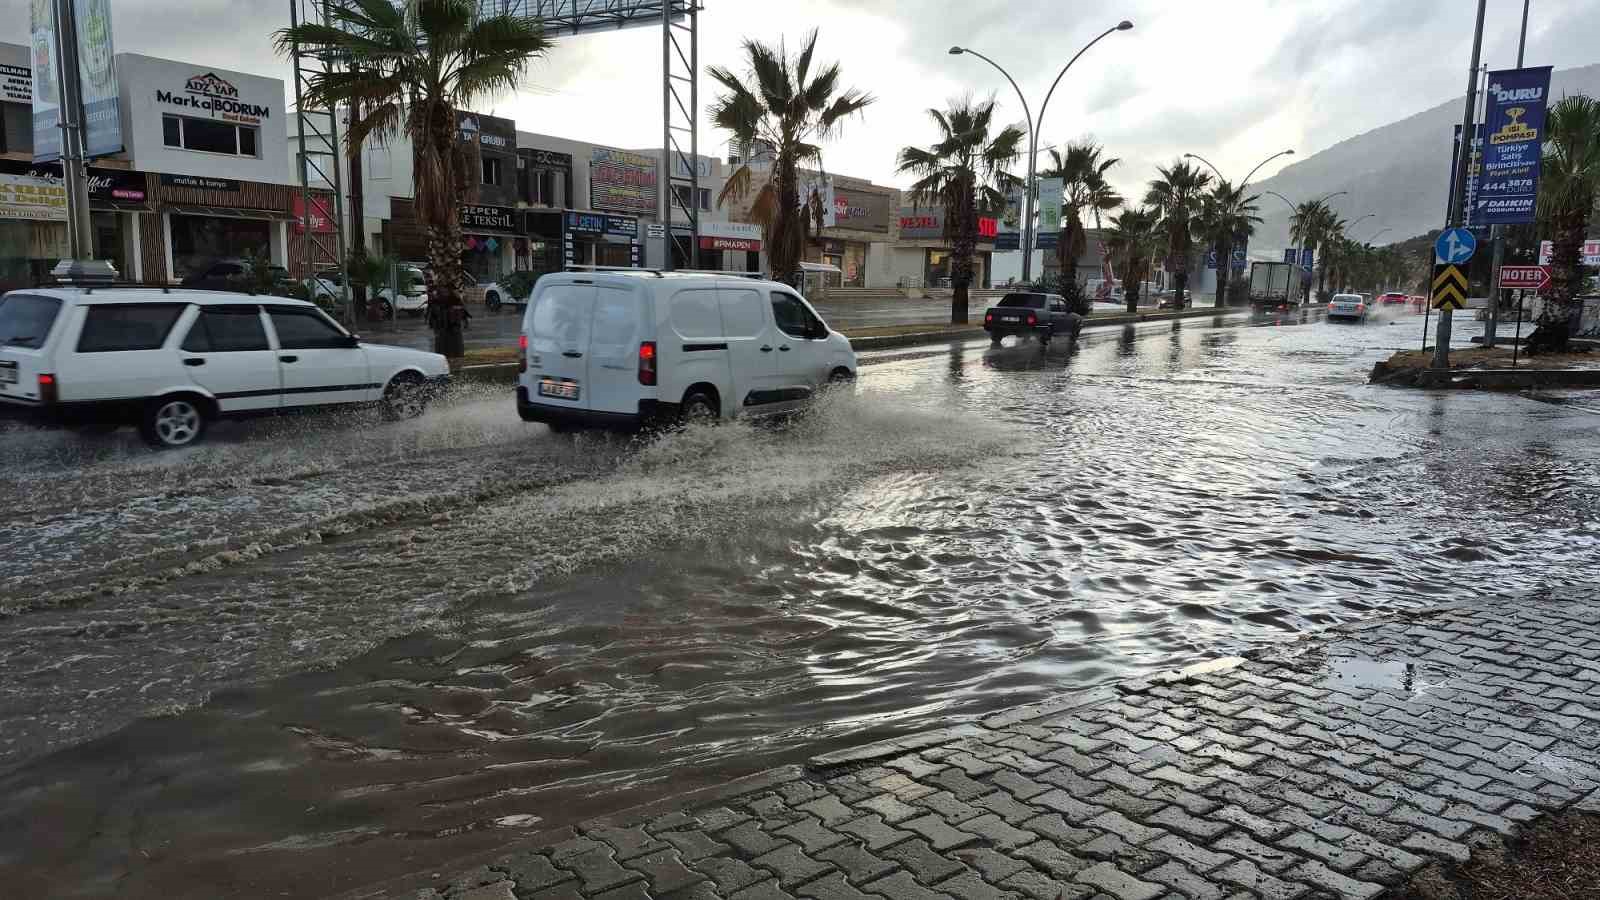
pixel 1401 172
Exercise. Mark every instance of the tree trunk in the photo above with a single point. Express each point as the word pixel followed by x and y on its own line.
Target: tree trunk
pixel 961 257
pixel 447 314
pixel 1224 272
pixel 358 222
pixel 1130 288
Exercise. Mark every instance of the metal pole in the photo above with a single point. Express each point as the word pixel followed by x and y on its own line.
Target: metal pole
pixel 300 120
pixel 1489 331
pixel 74 156
pixel 1516 344
pixel 1441 353
pixel 694 133
pixel 664 178
pixel 1027 203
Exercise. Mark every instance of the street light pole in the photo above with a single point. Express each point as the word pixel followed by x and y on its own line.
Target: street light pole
pixel 1441 352
pixel 1219 301
pixel 1491 327
pixel 1033 136
pixel 82 267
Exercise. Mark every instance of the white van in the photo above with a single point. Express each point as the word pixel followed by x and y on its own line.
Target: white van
pixel 625 349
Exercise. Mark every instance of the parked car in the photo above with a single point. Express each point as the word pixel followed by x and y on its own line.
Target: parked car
pixel 231 275
pixel 171 362
pixel 1393 298
pixel 1348 306
pixel 1029 315
pixel 627 350
pixel 411 299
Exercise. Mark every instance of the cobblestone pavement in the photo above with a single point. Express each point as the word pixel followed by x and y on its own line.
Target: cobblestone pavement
pixel 1335 766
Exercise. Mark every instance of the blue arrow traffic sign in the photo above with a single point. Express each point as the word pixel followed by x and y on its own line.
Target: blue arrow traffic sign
pixel 1455 246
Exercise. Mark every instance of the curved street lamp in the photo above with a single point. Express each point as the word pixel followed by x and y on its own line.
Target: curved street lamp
pixel 1033 135
pixel 1379 235
pixel 1252 171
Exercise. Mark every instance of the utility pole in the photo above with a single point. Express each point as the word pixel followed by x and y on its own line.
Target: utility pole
pixel 82 267
pixel 1441 353
pixel 1499 230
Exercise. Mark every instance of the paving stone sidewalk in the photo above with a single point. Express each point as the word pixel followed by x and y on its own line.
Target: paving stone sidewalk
pixel 1335 766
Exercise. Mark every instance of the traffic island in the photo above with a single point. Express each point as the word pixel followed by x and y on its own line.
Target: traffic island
pixel 1489 369
pixel 1339 765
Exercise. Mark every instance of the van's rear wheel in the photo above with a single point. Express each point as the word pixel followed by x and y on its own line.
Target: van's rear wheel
pixel 492 300
pixel 172 422
pixel 699 408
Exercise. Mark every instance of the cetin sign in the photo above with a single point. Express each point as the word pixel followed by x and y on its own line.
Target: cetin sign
pixel 1508 189
pixel 97 78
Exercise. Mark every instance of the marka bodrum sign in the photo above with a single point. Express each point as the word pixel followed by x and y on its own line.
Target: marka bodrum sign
pixel 216 96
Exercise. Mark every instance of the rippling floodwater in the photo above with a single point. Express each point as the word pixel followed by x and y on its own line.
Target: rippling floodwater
pixel 325 652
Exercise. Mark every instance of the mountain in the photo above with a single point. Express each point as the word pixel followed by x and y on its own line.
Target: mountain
pixel 1400 172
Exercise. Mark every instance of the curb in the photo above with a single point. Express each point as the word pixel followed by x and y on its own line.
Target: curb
pixel 505 373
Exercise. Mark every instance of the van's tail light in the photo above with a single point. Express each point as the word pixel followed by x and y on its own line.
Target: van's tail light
pixel 647 362
pixel 522 356
pixel 1033 319
pixel 47 389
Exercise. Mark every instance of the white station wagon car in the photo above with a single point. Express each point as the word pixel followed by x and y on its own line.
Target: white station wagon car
pixel 628 348
pixel 171 361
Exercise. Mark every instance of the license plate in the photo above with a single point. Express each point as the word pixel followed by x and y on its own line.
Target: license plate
pixel 8 372
pixel 563 390
pixel 1011 318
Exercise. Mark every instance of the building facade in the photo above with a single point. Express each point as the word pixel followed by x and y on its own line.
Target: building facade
pixel 202 177
pixel 922 257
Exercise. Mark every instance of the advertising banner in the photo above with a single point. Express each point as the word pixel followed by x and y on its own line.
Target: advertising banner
pixel 1591 253
pixel 1508 188
pixel 1008 240
pixel 16 84
pixel 622 181
pixel 1011 216
pixel 97 76
pixel 822 187
pixel 498 219
pixel 104 184
pixel 861 210
pixel 46 88
pixel 1474 168
pixel 320 221
pixel 1052 192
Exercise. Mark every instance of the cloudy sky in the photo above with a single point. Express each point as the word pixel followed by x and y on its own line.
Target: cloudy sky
pixel 1232 80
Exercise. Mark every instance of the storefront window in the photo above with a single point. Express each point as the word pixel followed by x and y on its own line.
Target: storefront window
pixel 199 241
pixel 29 250
pixel 483 263
pixel 113 240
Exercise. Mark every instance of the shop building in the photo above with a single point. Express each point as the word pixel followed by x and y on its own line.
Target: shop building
pixel 858 228
pixel 203 176
pixel 922 256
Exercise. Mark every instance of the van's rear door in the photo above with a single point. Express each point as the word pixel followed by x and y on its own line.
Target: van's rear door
pixel 615 335
pixel 558 343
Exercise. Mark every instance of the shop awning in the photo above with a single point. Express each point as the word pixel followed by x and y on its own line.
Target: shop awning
pixel 228 212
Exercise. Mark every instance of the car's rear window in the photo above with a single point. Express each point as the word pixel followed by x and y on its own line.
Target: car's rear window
pixel 25 320
pixel 1027 301
pixel 134 326
pixel 1353 298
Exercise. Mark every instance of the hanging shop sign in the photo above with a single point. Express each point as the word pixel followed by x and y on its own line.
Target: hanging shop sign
pixel 1508 188
pixel 489 218
pixel 622 181
pixel 488 131
pixel 24 197
pixel 201 183
pixel 730 236
pixel 929 225
pixel 585 223
pixel 547 159
pixel 622 226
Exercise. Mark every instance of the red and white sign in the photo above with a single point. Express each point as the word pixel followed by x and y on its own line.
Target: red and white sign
pixel 1591 253
pixel 988 228
pixel 320 220
pixel 1527 277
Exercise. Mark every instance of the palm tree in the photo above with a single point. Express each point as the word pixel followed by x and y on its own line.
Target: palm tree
pixel 1082 171
pixel 408 70
pixel 1135 239
pixel 1568 191
pixel 1227 217
pixel 1307 225
pixel 788 105
pixel 965 172
pixel 1177 194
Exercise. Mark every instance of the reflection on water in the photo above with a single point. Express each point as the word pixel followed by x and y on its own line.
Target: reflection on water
pixel 972 529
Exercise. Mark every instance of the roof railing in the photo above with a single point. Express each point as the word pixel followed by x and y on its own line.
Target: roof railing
pixel 662 273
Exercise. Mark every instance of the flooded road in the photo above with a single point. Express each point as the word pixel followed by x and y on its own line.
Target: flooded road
pixel 318 653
